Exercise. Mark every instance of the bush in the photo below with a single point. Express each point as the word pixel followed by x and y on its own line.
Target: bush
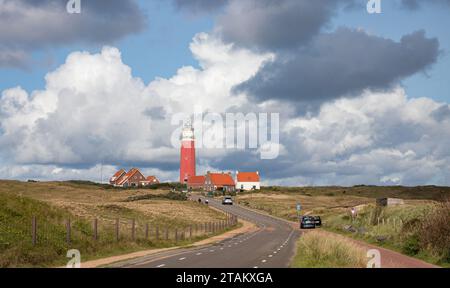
pixel 411 245
pixel 435 232
pixel 178 196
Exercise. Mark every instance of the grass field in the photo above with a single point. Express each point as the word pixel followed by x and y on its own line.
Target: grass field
pixel 400 228
pixel 317 251
pixel 53 203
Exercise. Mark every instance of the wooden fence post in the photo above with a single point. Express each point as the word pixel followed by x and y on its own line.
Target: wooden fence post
pixel 117 230
pixel 95 229
pixel 133 230
pixel 167 233
pixel 146 231
pixel 190 232
pixel 34 230
pixel 157 233
pixel 176 235
pixel 68 231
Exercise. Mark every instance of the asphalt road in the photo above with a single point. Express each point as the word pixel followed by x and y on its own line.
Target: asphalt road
pixel 271 246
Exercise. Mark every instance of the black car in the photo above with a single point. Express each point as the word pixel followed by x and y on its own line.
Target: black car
pixel 307 222
pixel 317 221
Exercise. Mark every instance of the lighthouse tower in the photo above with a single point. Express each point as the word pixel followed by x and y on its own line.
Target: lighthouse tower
pixel 187 159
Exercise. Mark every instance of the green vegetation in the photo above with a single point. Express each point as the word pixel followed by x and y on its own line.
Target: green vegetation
pixel 421 230
pixel 178 196
pixel 419 193
pixel 326 251
pixel 54 203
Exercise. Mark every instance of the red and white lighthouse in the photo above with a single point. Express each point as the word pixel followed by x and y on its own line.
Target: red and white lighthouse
pixel 187 159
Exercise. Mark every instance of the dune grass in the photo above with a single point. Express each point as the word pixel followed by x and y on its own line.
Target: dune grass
pixel 316 250
pixel 53 203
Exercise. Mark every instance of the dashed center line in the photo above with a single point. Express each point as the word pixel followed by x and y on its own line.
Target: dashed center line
pixel 162 265
pixel 198 253
pixel 264 261
pixel 182 258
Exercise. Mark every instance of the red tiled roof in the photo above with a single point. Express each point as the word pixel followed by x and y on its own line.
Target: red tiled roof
pixel 118 173
pixel 221 179
pixel 196 180
pixel 152 179
pixel 128 175
pixel 247 177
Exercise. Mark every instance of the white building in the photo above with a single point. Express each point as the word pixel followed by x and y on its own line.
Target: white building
pixel 247 181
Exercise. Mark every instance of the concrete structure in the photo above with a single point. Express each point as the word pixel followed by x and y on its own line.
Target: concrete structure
pixel 219 182
pixel 247 181
pixel 187 155
pixel 390 202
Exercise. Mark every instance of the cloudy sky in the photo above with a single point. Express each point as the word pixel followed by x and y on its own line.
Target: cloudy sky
pixel 362 98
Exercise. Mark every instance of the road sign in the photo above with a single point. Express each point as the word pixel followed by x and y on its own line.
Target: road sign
pixel 299 207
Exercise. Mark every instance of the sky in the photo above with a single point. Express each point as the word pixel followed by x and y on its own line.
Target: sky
pixel 362 98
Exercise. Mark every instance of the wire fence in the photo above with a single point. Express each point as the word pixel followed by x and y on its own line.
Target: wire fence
pixel 62 232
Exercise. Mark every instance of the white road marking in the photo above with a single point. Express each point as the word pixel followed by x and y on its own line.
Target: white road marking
pixel 162 265
pixel 256 267
pixel 275 252
pixel 198 254
pixel 211 250
pixel 221 248
pixel 264 261
pixel 182 258
pixel 270 256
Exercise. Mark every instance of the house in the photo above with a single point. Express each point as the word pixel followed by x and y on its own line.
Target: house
pixel 196 182
pixel 247 181
pixel 150 180
pixel 219 182
pixel 117 177
pixel 132 178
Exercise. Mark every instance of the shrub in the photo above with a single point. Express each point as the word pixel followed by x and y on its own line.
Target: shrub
pixel 411 245
pixel 435 231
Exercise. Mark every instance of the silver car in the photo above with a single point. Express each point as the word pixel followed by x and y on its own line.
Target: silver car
pixel 227 200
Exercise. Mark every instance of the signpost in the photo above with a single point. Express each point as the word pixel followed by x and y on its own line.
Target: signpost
pixel 298 208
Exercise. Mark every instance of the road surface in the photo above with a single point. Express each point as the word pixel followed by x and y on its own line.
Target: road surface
pixel 271 246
